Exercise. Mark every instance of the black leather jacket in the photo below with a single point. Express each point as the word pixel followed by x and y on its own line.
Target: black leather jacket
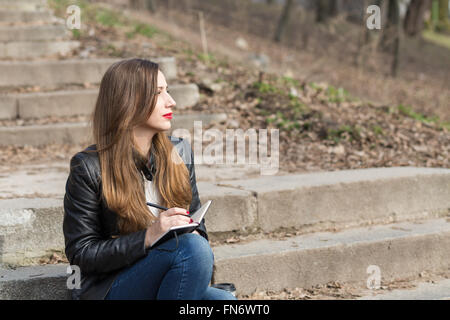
pixel 90 229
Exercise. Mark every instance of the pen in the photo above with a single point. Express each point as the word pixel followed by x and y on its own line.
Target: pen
pixel 161 207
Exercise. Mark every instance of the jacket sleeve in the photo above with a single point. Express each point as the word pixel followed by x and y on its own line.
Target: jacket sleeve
pixel 195 203
pixel 85 246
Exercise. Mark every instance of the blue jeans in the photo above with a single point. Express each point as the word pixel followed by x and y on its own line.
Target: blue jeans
pixel 171 271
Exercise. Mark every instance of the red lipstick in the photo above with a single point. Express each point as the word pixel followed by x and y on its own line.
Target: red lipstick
pixel 168 115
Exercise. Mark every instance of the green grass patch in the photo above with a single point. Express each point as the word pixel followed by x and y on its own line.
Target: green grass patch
pixel 264 87
pixel 314 86
pixel 437 38
pixel 409 112
pixel 142 29
pixel 377 130
pixel 76 34
pixel 290 81
pixel 337 134
pixel 297 106
pixel 206 57
pixel 108 18
pixel 337 95
pixel 281 121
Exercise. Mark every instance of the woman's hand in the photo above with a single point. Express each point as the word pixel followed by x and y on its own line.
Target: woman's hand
pixel 166 220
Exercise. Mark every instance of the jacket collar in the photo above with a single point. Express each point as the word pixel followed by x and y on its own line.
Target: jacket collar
pixel 147 166
pixel 150 168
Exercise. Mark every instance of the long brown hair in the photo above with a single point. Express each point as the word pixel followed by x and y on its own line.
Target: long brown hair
pixel 127 98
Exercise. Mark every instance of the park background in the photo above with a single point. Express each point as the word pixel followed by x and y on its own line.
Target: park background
pixel 364 120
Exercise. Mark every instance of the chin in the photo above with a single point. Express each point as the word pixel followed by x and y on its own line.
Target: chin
pixel 160 126
pixel 166 127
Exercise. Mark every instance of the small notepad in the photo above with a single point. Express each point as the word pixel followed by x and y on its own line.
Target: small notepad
pixel 197 217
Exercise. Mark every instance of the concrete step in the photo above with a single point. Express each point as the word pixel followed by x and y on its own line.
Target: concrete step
pixel 34 283
pixel 24 5
pixel 14 16
pixel 347 198
pixel 31 216
pixel 80 132
pixel 76 71
pixel 399 251
pixel 439 290
pixel 30 213
pixel 25 181
pixel 36 49
pixel 46 32
pixel 76 102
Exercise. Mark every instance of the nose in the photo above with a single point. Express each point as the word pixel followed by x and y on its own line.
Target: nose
pixel 170 101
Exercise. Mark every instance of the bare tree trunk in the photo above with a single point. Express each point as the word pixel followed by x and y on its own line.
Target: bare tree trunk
pixel 413 24
pixel 150 5
pixel 443 15
pixel 326 9
pixel 284 19
pixel 363 38
pixel 396 53
pixel 321 10
pixel 389 30
pixel 334 8
pixel 390 41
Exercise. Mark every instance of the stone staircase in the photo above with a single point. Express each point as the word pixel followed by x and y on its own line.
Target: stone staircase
pixel 67 88
pixel 394 218
pixel 28 30
pixel 339 223
pixel 72 102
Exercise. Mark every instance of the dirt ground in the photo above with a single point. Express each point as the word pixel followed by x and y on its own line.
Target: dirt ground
pixel 345 291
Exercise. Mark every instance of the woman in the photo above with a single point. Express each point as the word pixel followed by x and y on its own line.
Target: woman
pixel 108 227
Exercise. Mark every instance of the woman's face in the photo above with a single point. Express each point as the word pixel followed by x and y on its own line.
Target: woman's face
pixel 159 120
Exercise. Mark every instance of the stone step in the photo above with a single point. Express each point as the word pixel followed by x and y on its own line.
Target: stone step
pixel 35 283
pixel 347 198
pixel 439 290
pixel 76 71
pixel 13 16
pixel 399 250
pixel 23 5
pixel 31 216
pixel 30 213
pixel 76 102
pixel 36 49
pixel 47 32
pixel 80 132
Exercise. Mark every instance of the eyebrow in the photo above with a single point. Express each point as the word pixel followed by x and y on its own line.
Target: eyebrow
pixel 163 87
